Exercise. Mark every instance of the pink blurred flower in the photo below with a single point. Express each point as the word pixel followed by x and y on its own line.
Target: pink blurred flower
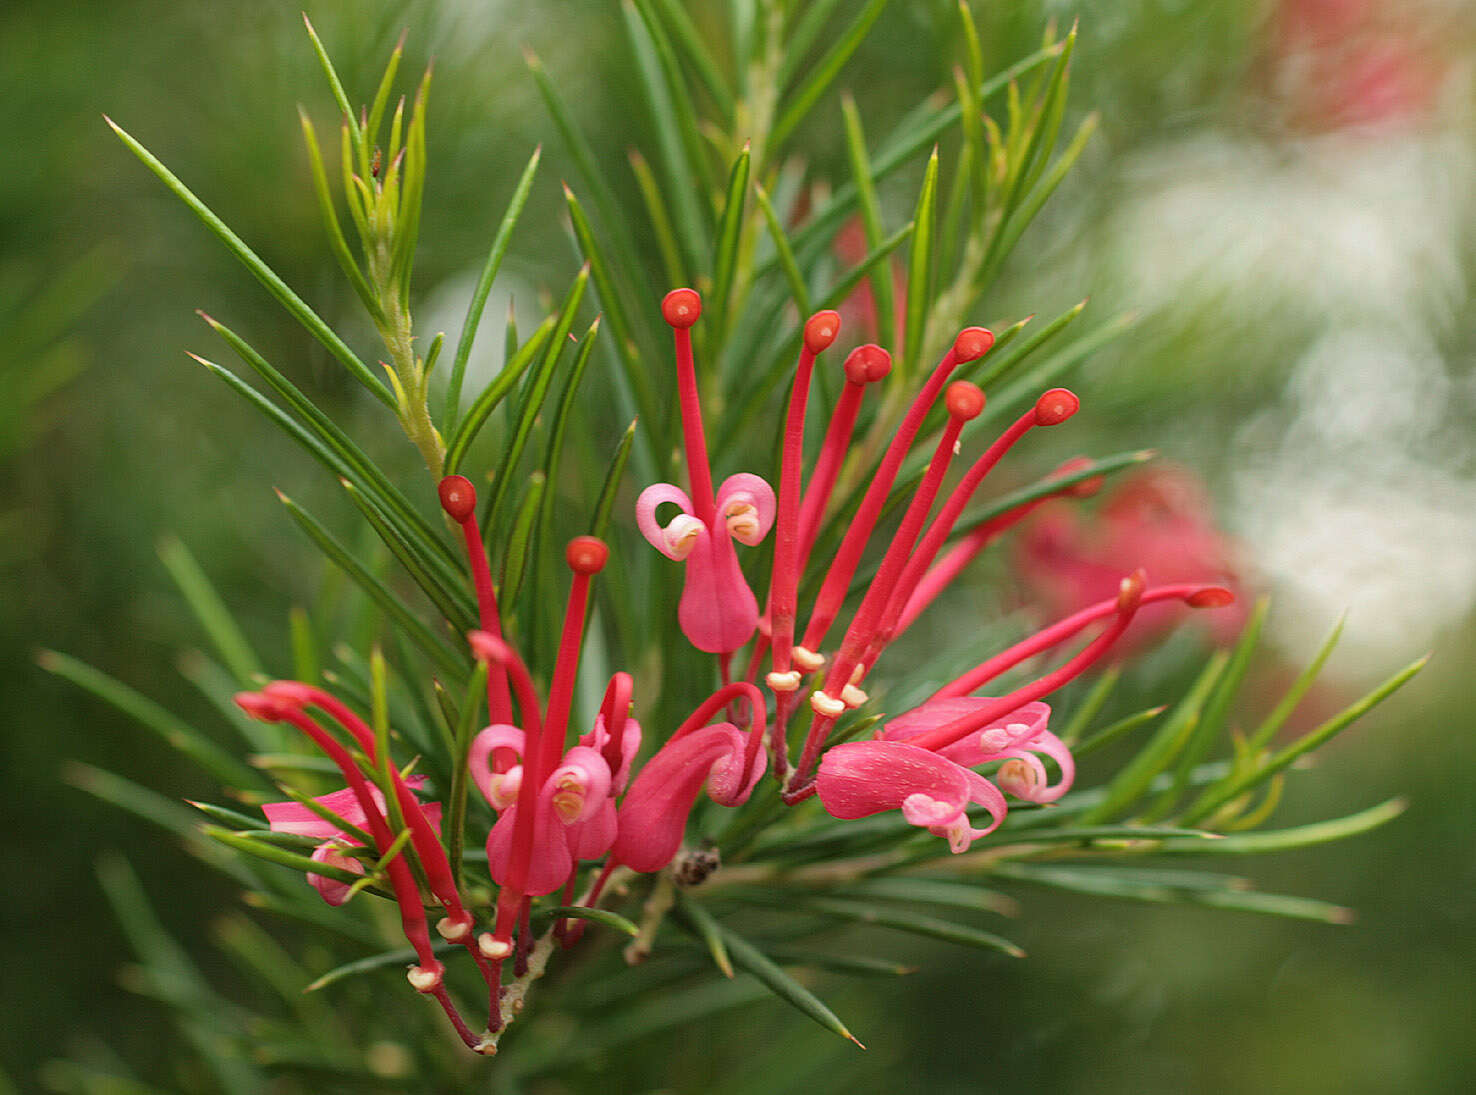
pixel 1159 519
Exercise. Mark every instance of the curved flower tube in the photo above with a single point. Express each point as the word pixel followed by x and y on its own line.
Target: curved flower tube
pixel 654 814
pixel 718 612
pixel 861 778
pixel 294 817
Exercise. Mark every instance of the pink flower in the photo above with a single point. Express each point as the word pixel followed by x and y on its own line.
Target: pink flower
pixel 718 612
pixel 729 763
pixel 861 778
pixel 294 817
pixel 575 813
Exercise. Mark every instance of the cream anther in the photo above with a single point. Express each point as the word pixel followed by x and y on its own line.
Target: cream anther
pixel 568 798
pixel 453 931
pixel 742 518
pixel 493 947
pixel 503 787
pixel 828 706
pixel 1017 777
pixel 807 659
pixel 857 673
pixel 852 696
pixel 681 535
pixel 783 682
pixel 423 980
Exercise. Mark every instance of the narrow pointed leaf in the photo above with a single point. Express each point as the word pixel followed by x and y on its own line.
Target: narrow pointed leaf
pixel 1302 836
pixel 262 272
pixel 748 957
pixel 792 276
pixel 1266 732
pixel 210 610
pixel 603 917
pixel 679 24
pixel 1238 783
pixel 693 916
pixel 533 402
pixel 920 272
pixel 881 277
pixel 1130 784
pixel 730 225
pixel 913 923
pixel 478 303
pixel 434 647
pixel 493 394
pixel 173 730
pixel 405 956
pixel 799 102
pixel 1121 728
pixel 599 523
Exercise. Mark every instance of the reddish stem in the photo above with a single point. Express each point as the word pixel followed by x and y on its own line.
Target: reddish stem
pixel 1127 605
pixel 1059 632
pixel 970 344
pixel 681 309
pixel 864 365
pixel 459 500
pixel 820 332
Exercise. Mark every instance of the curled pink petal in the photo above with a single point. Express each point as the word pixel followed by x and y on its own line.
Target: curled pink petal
pixel 718 612
pixel 630 745
pixel 746 504
pixel 662 537
pixel 580 784
pixel 654 814
pixel 331 889
pixel 498 788
pixel 1024 776
pixel 862 778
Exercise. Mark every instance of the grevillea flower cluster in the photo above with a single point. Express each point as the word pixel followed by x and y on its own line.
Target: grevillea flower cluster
pixel 569 798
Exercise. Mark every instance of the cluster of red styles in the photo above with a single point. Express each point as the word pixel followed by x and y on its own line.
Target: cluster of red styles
pixel 561 803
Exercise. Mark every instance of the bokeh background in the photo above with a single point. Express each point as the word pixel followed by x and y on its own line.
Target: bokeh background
pixel 1281 192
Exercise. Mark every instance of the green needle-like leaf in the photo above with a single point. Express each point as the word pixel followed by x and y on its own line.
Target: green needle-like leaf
pixel 1265 733
pixel 494 394
pixel 730 225
pixel 679 24
pixel 792 276
pixel 881 277
pixel 799 102
pixel 693 916
pixel 919 274
pixel 261 271
pixel 913 923
pixel 1133 781
pixel 320 434
pixel 748 957
pixel 1121 728
pixel 1090 706
pixel 337 243
pixel 533 401
pixel 599 523
pixel 687 200
pixel 252 844
pixel 453 602
pixel 478 303
pixel 604 917
pixel 1239 782
pixel 434 647
pixel 173 730
pixel 211 611
pixel 1302 836
pixel 525 524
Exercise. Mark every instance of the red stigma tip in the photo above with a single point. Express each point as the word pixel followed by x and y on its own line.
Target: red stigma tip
pixel 867 364
pixel 682 307
pixel 964 400
pixel 820 331
pixel 260 707
pixel 971 343
pixel 1130 592
pixel 1055 407
pixel 458 497
pixel 586 554
pixel 1210 597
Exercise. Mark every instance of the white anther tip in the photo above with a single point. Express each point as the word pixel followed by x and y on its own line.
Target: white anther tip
pixel 827 705
pixel 783 682
pixel 807 659
pixel 851 696
pixel 453 931
pixel 423 980
pixel 492 947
